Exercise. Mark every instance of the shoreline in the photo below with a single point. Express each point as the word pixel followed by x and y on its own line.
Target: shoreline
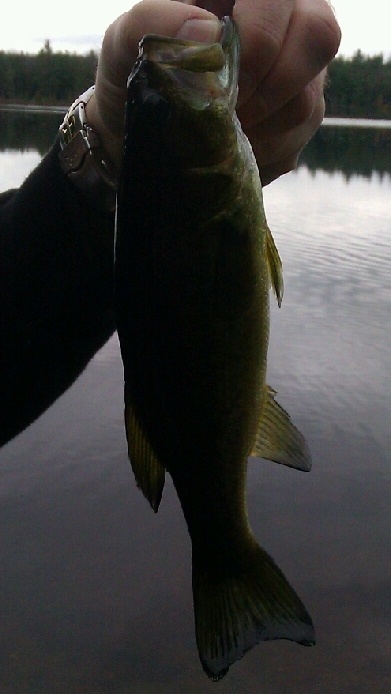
pixel 328 121
pixel 35 108
pixel 340 121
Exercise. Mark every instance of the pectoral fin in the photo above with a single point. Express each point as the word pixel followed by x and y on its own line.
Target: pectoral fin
pixel 148 471
pixel 275 266
pixel 277 438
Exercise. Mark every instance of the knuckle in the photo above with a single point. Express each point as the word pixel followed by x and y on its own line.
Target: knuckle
pixel 324 35
pixel 313 103
pixel 262 48
pixel 262 37
pixel 303 105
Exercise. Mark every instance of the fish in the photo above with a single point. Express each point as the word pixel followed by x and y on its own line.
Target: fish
pixel 194 264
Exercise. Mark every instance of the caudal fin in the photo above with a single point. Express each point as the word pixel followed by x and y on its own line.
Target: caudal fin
pixel 235 612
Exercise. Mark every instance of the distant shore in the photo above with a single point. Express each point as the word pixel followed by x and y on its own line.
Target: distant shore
pixel 357 122
pixel 36 108
pixel 327 121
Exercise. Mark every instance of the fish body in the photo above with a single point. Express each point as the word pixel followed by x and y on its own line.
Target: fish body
pixel 194 261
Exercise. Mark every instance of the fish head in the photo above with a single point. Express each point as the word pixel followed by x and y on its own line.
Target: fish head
pixel 187 92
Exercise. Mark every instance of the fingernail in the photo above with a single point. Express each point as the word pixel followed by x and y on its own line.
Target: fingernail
pixel 203 30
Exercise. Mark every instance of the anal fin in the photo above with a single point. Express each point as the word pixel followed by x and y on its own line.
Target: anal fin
pixel 148 470
pixel 277 438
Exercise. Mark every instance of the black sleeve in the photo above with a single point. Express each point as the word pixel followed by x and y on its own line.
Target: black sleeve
pixel 56 260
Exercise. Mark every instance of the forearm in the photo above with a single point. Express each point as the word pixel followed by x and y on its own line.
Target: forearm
pixel 55 291
pixel 56 251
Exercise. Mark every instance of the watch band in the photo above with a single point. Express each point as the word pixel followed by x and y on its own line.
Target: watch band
pixel 82 157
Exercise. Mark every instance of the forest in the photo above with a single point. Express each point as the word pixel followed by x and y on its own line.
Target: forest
pixel 358 87
pixel 47 77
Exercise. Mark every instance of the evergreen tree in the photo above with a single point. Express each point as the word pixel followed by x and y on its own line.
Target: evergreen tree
pixel 358 87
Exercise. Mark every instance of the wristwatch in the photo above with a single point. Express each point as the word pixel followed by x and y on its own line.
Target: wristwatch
pixel 82 157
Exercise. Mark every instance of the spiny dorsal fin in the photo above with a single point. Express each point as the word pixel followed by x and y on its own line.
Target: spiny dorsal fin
pixel 277 438
pixel 275 266
pixel 148 471
pixel 235 611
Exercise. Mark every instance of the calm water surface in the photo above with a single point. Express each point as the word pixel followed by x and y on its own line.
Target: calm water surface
pixel 95 590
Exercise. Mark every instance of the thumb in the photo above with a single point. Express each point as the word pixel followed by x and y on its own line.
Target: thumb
pixel 119 52
pixel 164 17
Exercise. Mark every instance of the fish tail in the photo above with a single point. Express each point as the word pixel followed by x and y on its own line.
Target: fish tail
pixel 233 612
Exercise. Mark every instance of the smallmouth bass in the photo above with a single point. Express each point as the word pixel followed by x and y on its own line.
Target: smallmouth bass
pixel 194 262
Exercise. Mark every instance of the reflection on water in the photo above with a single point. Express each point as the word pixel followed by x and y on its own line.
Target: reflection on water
pixel 25 136
pixel 25 130
pixel 360 151
pixel 95 589
pixel 15 166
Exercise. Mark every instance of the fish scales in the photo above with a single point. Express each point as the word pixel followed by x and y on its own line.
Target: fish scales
pixel 194 261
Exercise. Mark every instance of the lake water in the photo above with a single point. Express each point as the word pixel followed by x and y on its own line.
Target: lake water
pixel 95 590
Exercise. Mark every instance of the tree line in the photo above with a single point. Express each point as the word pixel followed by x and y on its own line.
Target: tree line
pixel 45 78
pixel 357 87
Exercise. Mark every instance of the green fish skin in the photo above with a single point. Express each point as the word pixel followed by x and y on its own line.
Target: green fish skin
pixel 194 262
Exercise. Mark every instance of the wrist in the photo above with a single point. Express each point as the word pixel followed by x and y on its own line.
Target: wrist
pixel 83 157
pixel 111 144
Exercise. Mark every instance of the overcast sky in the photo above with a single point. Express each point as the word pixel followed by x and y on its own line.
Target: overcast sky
pixel 75 26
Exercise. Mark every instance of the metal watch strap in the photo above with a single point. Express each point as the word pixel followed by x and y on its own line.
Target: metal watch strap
pixel 83 159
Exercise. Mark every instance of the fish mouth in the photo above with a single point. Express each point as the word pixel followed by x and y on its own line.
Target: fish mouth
pixel 202 72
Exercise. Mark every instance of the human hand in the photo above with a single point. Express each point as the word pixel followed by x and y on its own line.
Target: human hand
pixel 285 47
pixel 105 110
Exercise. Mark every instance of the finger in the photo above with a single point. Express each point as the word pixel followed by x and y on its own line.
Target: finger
pixel 293 114
pixel 120 49
pixel 220 8
pixel 263 25
pixel 282 152
pixel 120 44
pixel 311 41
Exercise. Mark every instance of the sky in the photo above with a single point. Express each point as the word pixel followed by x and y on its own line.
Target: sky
pixel 74 26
